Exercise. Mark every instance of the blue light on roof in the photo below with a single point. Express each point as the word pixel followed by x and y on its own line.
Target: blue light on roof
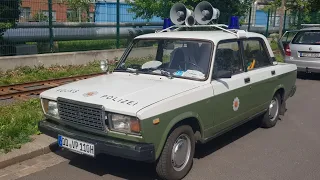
pixel 234 22
pixel 166 23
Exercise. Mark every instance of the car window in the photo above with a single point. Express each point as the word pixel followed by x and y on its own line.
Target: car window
pixel 288 37
pixel 307 37
pixel 255 55
pixel 228 58
pixel 181 58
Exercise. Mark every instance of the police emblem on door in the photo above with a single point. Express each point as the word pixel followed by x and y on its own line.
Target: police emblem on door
pixel 236 104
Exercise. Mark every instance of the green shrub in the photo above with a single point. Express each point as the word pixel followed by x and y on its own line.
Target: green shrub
pixel 18 122
pixel 28 74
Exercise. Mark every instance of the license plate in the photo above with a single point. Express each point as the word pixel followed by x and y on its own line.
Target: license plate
pixel 76 145
pixel 314 55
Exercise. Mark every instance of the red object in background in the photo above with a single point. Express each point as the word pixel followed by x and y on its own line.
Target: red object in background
pixel 287 50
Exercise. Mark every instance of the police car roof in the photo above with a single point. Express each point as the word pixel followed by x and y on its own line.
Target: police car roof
pixel 214 36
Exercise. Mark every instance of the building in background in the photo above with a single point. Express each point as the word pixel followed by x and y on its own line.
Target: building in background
pixel 106 12
pixel 37 11
pixel 100 11
pixel 259 17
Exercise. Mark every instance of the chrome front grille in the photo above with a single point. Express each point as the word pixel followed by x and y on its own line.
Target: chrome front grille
pixel 81 114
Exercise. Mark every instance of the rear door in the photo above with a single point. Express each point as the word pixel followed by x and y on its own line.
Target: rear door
pixel 260 71
pixel 306 45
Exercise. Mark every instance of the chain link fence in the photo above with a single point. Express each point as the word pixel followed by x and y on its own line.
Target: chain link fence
pixel 71 27
pixel 49 26
pixel 267 21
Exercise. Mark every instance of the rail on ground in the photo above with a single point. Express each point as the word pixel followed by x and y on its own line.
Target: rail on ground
pixel 25 91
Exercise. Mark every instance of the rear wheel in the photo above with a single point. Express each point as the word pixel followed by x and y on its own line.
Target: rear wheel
pixel 176 158
pixel 271 117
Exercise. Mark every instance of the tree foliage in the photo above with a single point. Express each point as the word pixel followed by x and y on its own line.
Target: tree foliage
pixel 148 8
pixel 76 4
pixel 303 11
pixel 79 5
pixel 9 13
pixel 292 5
pixel 40 17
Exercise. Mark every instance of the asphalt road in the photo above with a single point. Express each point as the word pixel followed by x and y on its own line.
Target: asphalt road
pixel 289 151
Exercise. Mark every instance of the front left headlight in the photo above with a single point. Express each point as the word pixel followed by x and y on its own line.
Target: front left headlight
pixel 123 123
pixel 50 108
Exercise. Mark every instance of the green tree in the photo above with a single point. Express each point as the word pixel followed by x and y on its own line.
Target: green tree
pixel 80 6
pixel 40 17
pixel 9 14
pixel 148 8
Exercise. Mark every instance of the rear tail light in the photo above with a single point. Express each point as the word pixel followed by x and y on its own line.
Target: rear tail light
pixel 287 50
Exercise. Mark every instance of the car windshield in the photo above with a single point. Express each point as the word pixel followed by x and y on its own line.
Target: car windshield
pixel 307 37
pixel 169 57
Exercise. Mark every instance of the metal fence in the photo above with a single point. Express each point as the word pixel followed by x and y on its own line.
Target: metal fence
pixel 72 27
pixel 267 21
pixel 47 26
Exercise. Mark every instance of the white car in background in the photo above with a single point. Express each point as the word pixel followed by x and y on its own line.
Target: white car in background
pixel 302 47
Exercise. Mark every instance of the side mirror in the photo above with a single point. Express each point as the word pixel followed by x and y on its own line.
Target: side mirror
pixel 223 74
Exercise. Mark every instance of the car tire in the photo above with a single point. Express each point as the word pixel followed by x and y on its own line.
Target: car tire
pixel 181 141
pixel 270 118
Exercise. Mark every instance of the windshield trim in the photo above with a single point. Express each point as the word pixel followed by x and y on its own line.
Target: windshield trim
pixel 130 47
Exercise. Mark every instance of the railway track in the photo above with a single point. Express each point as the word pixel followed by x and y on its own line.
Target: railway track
pixel 26 91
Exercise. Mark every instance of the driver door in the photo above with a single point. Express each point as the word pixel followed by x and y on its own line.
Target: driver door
pixel 231 95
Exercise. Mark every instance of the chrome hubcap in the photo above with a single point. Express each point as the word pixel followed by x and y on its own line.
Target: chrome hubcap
pixel 181 152
pixel 273 109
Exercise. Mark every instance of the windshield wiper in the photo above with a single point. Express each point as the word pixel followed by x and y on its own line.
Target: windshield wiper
pixel 163 72
pixel 166 73
pixel 132 70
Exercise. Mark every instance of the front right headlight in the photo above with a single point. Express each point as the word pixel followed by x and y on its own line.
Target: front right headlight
pixel 125 124
pixel 50 108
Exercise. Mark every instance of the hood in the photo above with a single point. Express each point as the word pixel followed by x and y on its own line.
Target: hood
pixel 123 93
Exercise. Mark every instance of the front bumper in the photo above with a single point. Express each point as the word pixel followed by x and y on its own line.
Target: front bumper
pixel 103 145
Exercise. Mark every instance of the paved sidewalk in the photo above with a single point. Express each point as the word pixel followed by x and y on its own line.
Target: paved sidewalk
pixel 34 165
pixel 41 144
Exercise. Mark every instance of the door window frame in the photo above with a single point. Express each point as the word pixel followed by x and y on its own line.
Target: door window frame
pixel 238 41
pixel 264 46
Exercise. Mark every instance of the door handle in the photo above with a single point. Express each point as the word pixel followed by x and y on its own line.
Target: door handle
pixel 273 72
pixel 247 80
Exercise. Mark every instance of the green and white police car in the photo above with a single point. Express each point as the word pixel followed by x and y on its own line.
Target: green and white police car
pixel 169 91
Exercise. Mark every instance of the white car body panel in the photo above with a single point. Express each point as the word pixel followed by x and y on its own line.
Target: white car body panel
pixel 122 92
pixel 175 102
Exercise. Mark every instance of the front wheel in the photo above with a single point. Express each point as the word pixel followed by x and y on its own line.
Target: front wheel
pixel 176 158
pixel 271 117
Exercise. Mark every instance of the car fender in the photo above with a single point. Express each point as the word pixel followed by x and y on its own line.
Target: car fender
pixel 174 122
pixel 277 88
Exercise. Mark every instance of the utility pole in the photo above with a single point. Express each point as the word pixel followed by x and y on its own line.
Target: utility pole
pixel 283 8
pixel 118 24
pixel 50 25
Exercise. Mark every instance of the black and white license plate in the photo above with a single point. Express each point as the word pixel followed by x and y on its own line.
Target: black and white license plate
pixel 76 145
pixel 312 55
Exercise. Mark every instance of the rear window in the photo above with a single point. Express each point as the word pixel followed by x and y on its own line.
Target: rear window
pixel 307 37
